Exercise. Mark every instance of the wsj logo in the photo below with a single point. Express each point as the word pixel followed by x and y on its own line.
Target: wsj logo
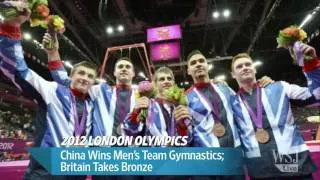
pixel 286 162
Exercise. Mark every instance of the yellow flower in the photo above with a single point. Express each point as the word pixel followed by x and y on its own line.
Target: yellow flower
pixel 302 35
pixel 58 23
pixel 35 22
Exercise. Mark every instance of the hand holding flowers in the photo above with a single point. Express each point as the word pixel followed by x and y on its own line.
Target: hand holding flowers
pixel 145 92
pixel 291 38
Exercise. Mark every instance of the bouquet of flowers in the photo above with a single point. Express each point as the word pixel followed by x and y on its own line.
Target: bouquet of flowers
pixel 39 12
pixel 7 10
pixel 176 95
pixel 290 38
pixel 39 15
pixel 145 88
pixel 54 24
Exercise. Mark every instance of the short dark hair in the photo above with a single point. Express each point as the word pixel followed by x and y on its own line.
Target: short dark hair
pixel 238 56
pixel 123 59
pixel 193 52
pixel 86 64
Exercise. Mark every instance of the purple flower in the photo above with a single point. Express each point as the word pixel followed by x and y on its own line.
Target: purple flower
pixel 145 88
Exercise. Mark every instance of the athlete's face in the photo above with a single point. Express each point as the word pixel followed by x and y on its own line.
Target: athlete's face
pixel 164 81
pixel 124 72
pixel 243 70
pixel 82 78
pixel 198 67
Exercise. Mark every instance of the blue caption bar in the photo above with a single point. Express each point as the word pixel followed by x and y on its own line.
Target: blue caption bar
pixel 140 161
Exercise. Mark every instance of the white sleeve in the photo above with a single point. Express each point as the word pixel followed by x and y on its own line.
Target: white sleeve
pixel 296 92
pixel 45 88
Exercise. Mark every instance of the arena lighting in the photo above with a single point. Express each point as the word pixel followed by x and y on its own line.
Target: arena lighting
pixel 109 30
pixel 68 64
pixel 310 16
pixel 305 20
pixel 226 13
pixel 257 63
pixel 220 77
pixel 120 28
pixel 27 36
pixel 215 14
pixel 141 74
pixel 210 67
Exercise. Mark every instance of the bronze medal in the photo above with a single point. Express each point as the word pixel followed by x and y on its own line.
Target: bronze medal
pixel 262 136
pixel 218 129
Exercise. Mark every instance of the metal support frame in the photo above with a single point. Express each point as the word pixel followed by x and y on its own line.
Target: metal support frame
pixel 233 33
pixel 263 23
pixel 145 64
pixel 209 60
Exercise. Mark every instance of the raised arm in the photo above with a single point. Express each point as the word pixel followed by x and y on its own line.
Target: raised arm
pixel 59 73
pixel 312 72
pixel 12 62
pixel 55 65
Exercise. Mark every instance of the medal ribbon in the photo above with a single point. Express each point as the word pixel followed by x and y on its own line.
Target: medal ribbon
pixel 79 126
pixel 172 130
pixel 123 109
pixel 168 115
pixel 256 117
pixel 171 125
pixel 214 104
